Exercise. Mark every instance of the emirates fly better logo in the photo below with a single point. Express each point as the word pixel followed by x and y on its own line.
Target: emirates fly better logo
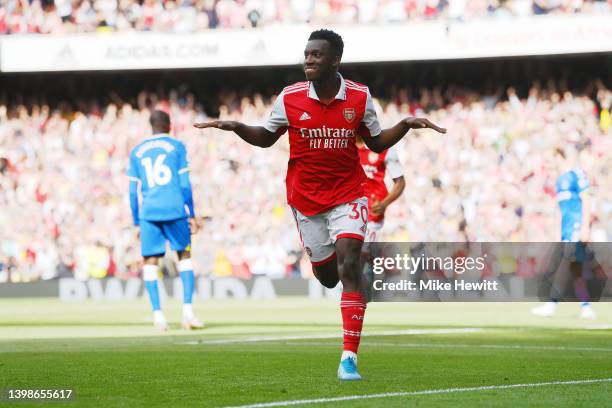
pixel 327 138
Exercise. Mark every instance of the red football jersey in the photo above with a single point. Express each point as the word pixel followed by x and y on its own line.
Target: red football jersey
pixel 324 169
pixel 375 166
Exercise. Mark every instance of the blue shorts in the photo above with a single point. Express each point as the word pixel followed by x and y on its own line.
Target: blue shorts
pixel 154 234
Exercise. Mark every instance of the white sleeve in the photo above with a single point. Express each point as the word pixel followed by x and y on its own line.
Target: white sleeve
pixel 393 165
pixel 369 118
pixel 278 117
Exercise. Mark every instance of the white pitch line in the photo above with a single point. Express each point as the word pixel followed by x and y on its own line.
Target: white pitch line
pixel 599 327
pixel 332 336
pixel 471 346
pixel 415 393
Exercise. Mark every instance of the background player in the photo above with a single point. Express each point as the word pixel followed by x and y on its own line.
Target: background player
pixel 325 181
pixel 159 167
pixel 574 204
pixel 376 166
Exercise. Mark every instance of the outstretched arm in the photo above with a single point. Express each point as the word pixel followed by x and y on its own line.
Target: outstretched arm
pixel 255 135
pixel 389 137
pixel 262 136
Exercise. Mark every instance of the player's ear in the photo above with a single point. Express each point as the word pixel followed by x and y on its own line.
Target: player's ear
pixel 336 61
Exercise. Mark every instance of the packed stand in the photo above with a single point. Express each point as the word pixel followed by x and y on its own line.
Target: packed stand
pixel 188 16
pixel 63 188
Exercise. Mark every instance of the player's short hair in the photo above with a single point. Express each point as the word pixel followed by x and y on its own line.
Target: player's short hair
pixel 159 119
pixel 334 40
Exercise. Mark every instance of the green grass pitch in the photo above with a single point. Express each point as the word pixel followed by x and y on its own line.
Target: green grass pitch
pixel 412 354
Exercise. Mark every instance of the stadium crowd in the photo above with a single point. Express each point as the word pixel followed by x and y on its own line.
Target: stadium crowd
pixel 65 210
pixel 186 16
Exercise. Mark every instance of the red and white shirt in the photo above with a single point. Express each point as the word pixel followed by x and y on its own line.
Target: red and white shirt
pixel 324 169
pixel 375 166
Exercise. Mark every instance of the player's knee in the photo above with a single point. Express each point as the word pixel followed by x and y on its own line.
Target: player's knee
pixel 329 282
pixel 153 259
pixel 327 274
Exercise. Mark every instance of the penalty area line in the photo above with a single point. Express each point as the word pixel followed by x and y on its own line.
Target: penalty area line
pixel 424 392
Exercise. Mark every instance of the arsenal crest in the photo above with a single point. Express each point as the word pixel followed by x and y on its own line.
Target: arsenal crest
pixel 349 114
pixel 372 157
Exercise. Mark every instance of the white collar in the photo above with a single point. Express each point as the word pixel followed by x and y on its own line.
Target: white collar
pixel 340 95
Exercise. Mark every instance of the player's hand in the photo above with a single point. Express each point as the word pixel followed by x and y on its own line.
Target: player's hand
pixel 420 123
pixel 378 208
pixel 219 124
pixel 194 225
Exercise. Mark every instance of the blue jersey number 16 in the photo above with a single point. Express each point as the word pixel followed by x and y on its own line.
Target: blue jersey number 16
pixel 158 174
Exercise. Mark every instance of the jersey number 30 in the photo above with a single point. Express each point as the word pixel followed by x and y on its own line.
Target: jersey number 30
pixel 158 174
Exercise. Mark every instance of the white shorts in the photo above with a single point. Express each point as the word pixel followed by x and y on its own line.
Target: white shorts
pixel 373 230
pixel 320 232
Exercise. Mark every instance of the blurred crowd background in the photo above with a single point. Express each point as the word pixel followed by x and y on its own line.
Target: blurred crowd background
pixel 188 16
pixel 63 189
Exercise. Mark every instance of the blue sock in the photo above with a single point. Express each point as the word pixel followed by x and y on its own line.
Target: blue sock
pixel 153 291
pixel 584 304
pixel 188 279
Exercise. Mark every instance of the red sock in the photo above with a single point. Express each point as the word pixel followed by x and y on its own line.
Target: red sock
pixel 353 308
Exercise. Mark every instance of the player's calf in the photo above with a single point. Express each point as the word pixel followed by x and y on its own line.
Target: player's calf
pixel 349 264
pixel 352 305
pixel 185 266
pixel 149 275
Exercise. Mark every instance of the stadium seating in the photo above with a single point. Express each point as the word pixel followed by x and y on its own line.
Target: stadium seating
pixel 63 170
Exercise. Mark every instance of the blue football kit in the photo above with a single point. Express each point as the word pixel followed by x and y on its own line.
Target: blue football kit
pixel 568 187
pixel 159 168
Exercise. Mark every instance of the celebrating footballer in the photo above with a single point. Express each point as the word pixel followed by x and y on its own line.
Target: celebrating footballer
pixel 325 179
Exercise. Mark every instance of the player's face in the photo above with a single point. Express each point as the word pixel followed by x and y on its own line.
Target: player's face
pixel 319 62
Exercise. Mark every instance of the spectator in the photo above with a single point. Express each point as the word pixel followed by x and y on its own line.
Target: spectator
pixel 187 16
pixel 64 200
